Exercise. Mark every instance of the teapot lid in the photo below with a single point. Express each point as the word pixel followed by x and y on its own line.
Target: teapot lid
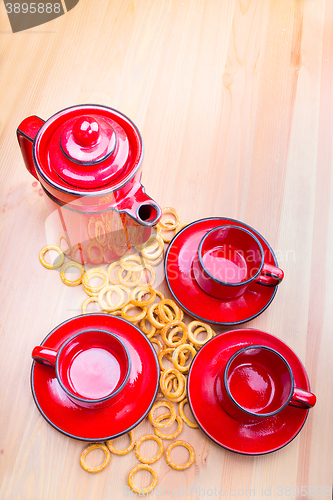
pixel 87 147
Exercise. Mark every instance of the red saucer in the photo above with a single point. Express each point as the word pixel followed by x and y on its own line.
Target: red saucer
pixel 203 388
pixel 199 304
pixel 117 418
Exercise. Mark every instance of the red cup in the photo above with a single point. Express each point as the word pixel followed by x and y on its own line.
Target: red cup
pixel 92 367
pixel 229 259
pixel 258 383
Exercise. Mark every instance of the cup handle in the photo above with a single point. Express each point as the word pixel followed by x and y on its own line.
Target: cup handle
pixel 44 355
pixel 270 275
pixel 302 399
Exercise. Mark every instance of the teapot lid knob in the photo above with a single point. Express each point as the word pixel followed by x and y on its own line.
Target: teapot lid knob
pixel 86 131
pixel 88 139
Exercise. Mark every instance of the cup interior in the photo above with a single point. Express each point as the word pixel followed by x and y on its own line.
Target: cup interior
pixel 231 254
pixel 259 380
pixel 93 365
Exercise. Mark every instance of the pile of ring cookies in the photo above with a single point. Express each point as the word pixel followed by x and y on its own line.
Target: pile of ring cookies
pixel 152 251
pixel 164 420
pixel 179 343
pixel 125 288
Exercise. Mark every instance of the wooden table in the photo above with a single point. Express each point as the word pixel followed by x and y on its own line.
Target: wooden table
pixel 234 101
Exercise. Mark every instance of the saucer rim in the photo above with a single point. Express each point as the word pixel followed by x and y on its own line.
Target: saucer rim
pixel 87 439
pixel 200 318
pixel 237 452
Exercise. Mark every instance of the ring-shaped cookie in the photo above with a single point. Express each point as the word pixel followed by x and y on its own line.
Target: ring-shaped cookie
pixel 154 250
pixel 164 382
pixel 56 264
pixel 150 269
pixel 161 354
pixel 148 437
pixel 156 341
pixel 108 307
pixel 174 434
pixel 150 315
pixel 99 258
pixel 168 310
pixel 91 447
pixel 172 211
pixel 179 398
pixel 85 304
pixel 183 357
pixel 135 317
pixel 154 262
pixel 165 238
pixel 132 262
pixel 176 353
pixel 125 302
pixel 131 278
pixel 62 237
pixel 152 245
pixel 173 337
pixel 184 417
pixel 160 295
pixel 63 269
pixel 171 382
pixel 180 326
pixel 199 325
pixel 172 416
pixel 109 272
pixel 94 272
pixel 188 447
pixel 126 450
pixel 169 305
pixel 148 489
pixel 140 291
pixel 150 333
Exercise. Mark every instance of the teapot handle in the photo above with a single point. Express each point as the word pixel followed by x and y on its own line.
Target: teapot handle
pixel 26 133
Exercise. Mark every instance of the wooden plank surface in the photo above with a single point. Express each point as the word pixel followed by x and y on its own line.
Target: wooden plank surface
pixel 234 102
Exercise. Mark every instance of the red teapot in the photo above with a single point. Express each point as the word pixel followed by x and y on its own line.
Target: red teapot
pixel 87 159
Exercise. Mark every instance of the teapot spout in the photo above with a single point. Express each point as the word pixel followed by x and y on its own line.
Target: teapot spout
pixel 140 207
pixel 26 133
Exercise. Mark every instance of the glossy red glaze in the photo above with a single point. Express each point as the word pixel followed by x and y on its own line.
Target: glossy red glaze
pixel 205 394
pixel 87 132
pixel 129 407
pixel 179 272
pixel 270 275
pixel 26 134
pixel 303 399
pixel 257 383
pixel 87 159
pixel 45 355
pixel 229 259
pixel 92 367
pixel 85 144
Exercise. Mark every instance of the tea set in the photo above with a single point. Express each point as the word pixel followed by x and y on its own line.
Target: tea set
pixel 96 376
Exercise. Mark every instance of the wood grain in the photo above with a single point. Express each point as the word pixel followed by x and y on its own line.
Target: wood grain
pixel 234 101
